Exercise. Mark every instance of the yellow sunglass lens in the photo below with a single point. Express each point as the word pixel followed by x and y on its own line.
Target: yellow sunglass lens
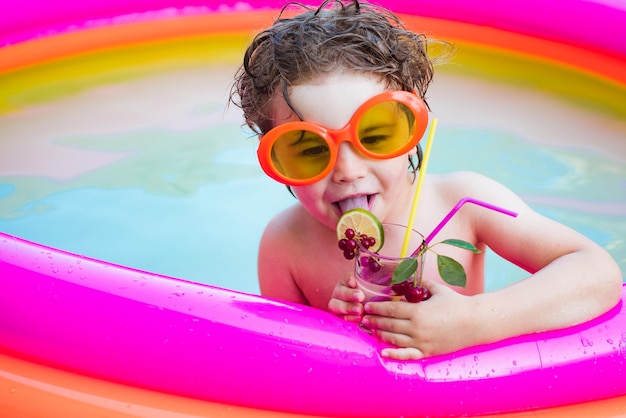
pixel 300 155
pixel 386 128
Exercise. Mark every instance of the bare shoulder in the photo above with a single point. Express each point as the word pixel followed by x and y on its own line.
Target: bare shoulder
pixel 281 225
pixel 279 247
pixel 280 237
pixel 452 187
pixel 463 182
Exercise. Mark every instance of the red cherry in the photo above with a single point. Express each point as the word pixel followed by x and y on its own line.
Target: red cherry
pixel 414 294
pixel 351 244
pixel 374 265
pixel 417 294
pixel 400 289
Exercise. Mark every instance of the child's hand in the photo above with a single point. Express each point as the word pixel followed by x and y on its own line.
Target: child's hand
pixel 346 300
pixel 439 325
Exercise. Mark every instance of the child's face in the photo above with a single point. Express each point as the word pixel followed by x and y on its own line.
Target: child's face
pixel 355 180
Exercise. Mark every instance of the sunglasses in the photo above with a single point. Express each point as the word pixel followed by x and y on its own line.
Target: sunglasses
pixel 386 126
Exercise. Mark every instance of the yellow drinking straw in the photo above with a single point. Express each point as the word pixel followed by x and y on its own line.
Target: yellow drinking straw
pixel 418 188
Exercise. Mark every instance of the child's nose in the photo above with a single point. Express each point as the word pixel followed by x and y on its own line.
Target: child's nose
pixel 350 164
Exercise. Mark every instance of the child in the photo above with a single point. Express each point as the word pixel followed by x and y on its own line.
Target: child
pixel 321 67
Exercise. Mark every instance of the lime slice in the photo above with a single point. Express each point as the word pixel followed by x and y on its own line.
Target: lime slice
pixel 361 221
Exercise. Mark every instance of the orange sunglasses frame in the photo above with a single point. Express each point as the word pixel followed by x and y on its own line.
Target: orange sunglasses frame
pixel 348 133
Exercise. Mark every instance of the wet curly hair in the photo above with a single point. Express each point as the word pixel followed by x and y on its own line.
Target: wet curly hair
pixel 339 35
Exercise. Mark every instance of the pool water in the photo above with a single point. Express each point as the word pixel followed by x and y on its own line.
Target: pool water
pixel 156 173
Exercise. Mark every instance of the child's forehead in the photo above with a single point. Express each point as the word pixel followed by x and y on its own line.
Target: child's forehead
pixel 329 100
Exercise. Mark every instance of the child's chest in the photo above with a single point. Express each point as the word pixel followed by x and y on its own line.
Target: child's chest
pixel 320 273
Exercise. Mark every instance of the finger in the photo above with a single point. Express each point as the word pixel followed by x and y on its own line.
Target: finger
pixel 392 309
pixel 394 338
pixel 342 307
pixel 405 353
pixel 349 281
pixel 357 319
pixel 383 324
pixel 347 290
pixel 350 295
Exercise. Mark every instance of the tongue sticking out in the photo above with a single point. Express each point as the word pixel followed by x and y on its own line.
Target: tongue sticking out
pixel 353 203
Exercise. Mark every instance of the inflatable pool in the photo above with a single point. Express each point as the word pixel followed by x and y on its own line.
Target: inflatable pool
pixel 84 337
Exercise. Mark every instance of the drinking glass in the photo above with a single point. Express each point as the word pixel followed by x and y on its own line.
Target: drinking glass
pixel 374 270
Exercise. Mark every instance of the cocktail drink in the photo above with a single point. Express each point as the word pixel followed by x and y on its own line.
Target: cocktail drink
pixel 383 271
pixel 374 270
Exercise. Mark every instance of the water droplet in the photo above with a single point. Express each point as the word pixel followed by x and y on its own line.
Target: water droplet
pixel 585 341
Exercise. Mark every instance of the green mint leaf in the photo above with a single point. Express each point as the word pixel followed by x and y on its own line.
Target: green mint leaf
pixel 462 244
pixel 404 270
pixel 451 271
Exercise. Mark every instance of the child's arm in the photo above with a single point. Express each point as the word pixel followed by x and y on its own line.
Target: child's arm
pixel 572 280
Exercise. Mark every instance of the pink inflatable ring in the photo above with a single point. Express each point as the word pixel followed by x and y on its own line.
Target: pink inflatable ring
pixel 91 338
